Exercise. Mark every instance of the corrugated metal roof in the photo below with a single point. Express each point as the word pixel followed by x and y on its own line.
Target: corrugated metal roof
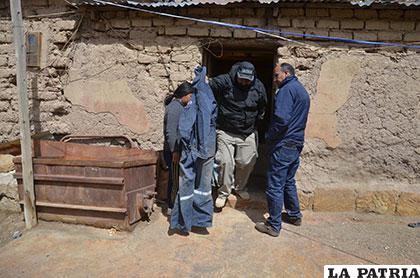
pixel 185 3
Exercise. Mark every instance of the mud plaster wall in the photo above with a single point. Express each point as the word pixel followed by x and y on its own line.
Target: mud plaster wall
pixel 112 79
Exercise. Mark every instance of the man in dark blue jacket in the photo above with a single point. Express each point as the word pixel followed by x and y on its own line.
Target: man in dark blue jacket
pixel 286 137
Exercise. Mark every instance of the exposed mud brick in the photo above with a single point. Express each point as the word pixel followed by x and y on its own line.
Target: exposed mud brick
pixel 6 73
pixel 306 200
pixel 352 24
pixel 4 106
pixel 5 25
pixel 36 3
pixel 143 34
pixel 151 48
pixel 328 23
pixel 292 12
pixel 220 12
pixel 409 204
pixel 123 23
pixel 184 22
pixel 390 36
pixel 334 199
pixel 316 31
pixel 257 22
pixel 275 12
pixel 46 95
pixel 6 49
pixel 341 34
pixel 108 14
pixel 304 52
pixel 175 31
pixel 6 37
pixel 412 37
pixel 412 14
pixel 366 13
pixel 141 22
pixel 244 34
pixel 391 14
pixel 158 70
pixel 317 12
pixel 198 11
pixel 198 31
pixel 122 14
pixel 178 76
pixel 8 94
pixel 233 20
pixel 243 12
pixel 262 13
pixel 403 25
pixel 61 37
pixel 133 14
pixel 54 106
pixel 377 25
pixel 303 22
pixel 367 36
pixel 3 61
pixel 382 202
pixel 6 163
pixel 147 59
pixel 163 48
pixel 292 30
pixel 163 21
pixel 6 128
pixel 342 13
pixel 182 57
pixel 224 33
pixel 284 22
pixel 100 26
pixel 65 25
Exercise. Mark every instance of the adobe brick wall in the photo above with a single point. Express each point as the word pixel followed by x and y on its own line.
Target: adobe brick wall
pixel 135 59
pixel 390 25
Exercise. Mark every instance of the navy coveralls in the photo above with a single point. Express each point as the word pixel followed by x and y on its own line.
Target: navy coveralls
pixel 194 204
pixel 286 137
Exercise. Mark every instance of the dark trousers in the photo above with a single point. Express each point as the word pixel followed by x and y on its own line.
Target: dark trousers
pixel 167 154
pixel 281 184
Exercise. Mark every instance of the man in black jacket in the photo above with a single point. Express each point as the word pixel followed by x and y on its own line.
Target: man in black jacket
pixel 241 99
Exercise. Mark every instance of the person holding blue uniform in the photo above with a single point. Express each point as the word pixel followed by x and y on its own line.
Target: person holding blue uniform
pixel 285 137
pixel 193 205
pixel 174 106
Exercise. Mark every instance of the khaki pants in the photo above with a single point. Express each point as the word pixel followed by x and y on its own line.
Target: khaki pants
pixel 237 156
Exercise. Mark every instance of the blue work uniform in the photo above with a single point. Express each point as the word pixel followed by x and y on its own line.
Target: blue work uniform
pixel 286 137
pixel 197 127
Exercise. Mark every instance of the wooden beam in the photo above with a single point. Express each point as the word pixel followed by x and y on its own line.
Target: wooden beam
pixel 25 134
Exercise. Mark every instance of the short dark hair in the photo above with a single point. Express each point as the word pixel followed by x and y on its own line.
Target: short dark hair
pixel 184 89
pixel 285 67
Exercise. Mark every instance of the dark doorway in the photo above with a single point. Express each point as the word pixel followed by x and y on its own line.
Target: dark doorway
pixel 219 61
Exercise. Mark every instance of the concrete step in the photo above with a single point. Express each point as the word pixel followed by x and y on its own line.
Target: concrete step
pixel 388 201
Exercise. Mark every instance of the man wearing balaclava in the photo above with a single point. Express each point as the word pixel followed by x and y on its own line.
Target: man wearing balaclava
pixel 241 99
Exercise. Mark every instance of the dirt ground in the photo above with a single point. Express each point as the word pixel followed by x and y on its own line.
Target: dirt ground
pixel 232 248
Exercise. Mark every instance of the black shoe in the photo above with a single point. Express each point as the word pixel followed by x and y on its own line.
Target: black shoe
pixel 266 229
pixel 200 230
pixel 297 221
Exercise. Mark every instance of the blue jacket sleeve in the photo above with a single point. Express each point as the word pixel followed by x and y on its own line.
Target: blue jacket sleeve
pixel 282 113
